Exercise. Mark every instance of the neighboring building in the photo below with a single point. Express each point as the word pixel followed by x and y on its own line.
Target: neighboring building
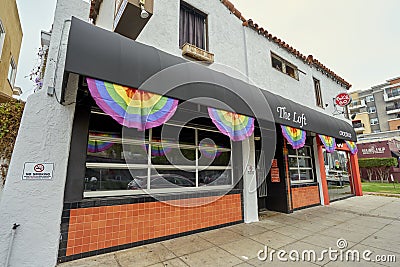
pixel 380 149
pixel 377 111
pixel 98 195
pixel 10 45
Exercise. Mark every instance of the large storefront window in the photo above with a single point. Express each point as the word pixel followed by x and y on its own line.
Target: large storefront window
pixel 155 159
pixel 301 165
pixel 338 174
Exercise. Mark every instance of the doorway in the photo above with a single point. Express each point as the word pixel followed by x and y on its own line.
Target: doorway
pixel 338 175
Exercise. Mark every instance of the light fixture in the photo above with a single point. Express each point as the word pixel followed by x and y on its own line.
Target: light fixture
pixel 143 13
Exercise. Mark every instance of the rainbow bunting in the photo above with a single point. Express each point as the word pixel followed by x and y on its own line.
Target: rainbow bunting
pixel 95 146
pixel 295 137
pixel 237 127
pixel 157 150
pixel 329 142
pixel 209 151
pixel 352 146
pixel 131 107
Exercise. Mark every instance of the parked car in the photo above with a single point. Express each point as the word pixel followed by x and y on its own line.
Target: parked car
pixel 160 181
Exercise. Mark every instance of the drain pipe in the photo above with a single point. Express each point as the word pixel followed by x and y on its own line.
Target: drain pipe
pixel 13 230
pixel 246 59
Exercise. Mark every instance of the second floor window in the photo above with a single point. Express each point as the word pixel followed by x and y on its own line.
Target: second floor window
pixel 12 71
pixel 284 66
pixel 2 36
pixel 318 93
pixel 192 27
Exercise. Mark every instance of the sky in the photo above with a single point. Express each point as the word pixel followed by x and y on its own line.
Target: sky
pixel 35 16
pixel 358 39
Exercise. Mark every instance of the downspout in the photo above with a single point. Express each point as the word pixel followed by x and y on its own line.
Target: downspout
pixel 13 230
pixel 246 58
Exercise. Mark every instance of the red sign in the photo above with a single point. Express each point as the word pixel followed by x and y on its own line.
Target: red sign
pixel 275 172
pixel 343 99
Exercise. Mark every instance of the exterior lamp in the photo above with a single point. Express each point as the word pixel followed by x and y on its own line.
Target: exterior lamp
pixel 143 14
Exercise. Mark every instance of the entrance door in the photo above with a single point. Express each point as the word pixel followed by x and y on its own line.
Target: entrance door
pixel 338 175
pixel 261 181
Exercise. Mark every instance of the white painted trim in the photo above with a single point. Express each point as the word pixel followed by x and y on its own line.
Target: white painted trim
pixel 250 198
pixel 318 172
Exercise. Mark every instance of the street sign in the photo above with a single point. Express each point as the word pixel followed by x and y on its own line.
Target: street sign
pixel 343 99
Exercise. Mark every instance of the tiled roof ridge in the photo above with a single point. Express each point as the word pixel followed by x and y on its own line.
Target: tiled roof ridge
pixel 310 60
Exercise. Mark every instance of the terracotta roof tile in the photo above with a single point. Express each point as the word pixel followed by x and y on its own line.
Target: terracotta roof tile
pixel 310 60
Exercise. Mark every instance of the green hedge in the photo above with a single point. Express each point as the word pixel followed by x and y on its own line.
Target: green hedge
pixel 377 162
pixel 10 119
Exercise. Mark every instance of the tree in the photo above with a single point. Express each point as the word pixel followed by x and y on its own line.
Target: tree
pixel 380 167
pixel 10 119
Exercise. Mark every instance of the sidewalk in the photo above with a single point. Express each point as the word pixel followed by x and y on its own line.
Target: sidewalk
pixel 366 223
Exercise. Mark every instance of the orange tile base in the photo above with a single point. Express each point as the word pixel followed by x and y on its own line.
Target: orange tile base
pixel 305 196
pixel 92 229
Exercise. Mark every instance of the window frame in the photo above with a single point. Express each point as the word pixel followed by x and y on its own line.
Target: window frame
pixel 369 98
pixel 318 93
pixel 2 37
pixel 298 168
pixel 198 12
pixel 369 110
pixel 150 166
pixel 284 64
pixel 12 72
pixel 374 119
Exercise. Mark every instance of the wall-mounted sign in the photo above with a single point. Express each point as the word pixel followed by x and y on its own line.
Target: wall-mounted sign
pixel 299 119
pixel 343 99
pixel 38 171
pixel 275 172
pixel 250 169
pixel 373 149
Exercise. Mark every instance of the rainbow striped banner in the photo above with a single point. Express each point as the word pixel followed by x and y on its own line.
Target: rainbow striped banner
pixel 209 151
pixel 95 146
pixel 158 150
pixel 352 146
pixel 131 107
pixel 329 142
pixel 295 137
pixel 237 127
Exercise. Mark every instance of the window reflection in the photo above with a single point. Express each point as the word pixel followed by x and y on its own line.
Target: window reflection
pixel 201 157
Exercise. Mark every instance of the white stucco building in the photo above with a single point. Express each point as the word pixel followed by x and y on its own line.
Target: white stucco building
pixel 96 180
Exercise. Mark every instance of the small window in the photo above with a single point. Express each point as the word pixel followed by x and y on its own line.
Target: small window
pixel 12 71
pixel 369 98
pixel 284 66
pixel 300 162
pixel 2 37
pixel 318 93
pixel 372 109
pixel 192 27
pixel 374 121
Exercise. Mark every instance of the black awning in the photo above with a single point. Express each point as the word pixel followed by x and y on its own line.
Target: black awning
pixel 104 55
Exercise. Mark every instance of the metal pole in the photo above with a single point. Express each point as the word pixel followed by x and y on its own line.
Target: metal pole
pixel 13 229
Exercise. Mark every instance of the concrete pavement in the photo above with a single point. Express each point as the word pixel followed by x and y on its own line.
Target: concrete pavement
pixel 368 223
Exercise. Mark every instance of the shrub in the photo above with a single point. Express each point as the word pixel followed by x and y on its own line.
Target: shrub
pixel 10 119
pixel 379 167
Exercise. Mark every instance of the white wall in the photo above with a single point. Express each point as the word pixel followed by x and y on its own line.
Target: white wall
pixel 44 136
pixel 226 41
